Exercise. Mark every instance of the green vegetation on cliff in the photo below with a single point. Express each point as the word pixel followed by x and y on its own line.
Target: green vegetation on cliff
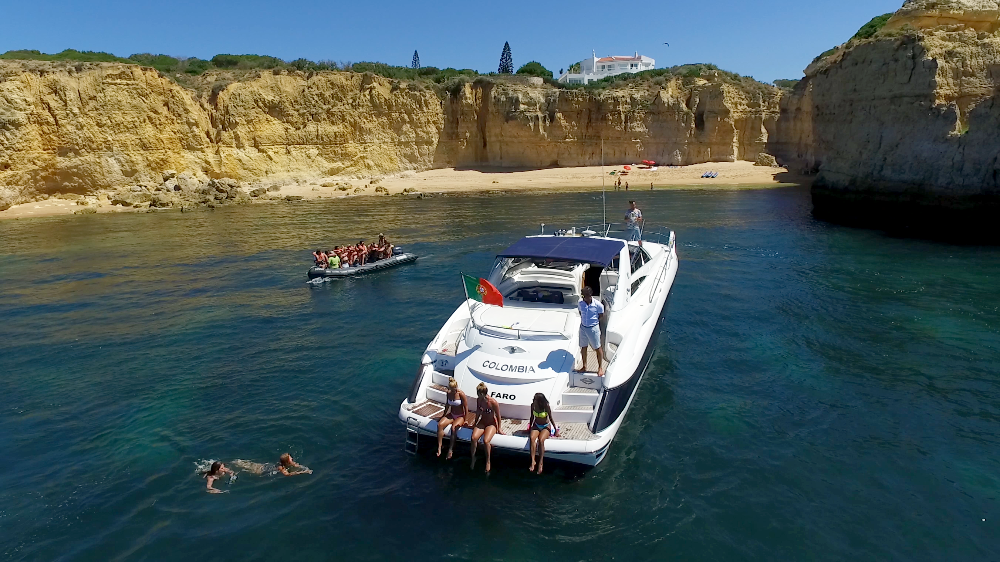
pixel 535 69
pixel 229 68
pixel 869 29
pixel 67 55
pixel 688 72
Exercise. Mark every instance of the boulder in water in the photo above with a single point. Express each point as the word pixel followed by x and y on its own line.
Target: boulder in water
pixel 765 159
pixel 128 198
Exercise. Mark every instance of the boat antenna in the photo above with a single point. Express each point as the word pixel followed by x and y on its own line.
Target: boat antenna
pixel 604 200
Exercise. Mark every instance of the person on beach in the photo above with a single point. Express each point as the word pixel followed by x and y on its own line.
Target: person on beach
pixel 456 411
pixel 651 186
pixel 211 475
pixel 633 221
pixel 591 311
pixel 487 423
pixel 626 186
pixel 540 427
pixel 286 465
pixel 320 258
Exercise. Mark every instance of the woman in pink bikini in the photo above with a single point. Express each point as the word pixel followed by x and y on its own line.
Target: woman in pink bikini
pixel 487 423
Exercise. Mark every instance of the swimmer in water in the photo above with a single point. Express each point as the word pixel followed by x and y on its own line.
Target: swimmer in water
pixel 213 474
pixel 285 462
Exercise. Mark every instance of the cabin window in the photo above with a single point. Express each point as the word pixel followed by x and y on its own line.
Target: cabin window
pixel 638 257
pixel 636 283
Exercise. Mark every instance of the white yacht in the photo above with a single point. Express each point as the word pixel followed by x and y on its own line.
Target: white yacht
pixel 531 343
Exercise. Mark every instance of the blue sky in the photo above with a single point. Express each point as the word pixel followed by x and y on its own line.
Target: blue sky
pixel 766 39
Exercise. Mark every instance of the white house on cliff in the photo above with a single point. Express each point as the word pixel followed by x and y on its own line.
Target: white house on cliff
pixel 596 68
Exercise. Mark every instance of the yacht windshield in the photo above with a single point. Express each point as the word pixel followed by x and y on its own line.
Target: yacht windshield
pixel 538 280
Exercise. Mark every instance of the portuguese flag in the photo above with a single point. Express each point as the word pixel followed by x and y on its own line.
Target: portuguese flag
pixel 482 290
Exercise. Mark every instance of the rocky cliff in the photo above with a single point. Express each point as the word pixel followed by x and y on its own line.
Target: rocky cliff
pixel 676 123
pixel 86 127
pixel 902 128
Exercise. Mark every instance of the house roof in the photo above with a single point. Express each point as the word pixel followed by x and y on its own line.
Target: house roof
pixel 619 59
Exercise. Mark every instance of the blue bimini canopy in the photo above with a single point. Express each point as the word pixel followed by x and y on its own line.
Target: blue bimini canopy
pixel 569 248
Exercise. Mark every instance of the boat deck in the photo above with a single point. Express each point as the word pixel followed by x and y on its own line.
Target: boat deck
pixel 591 363
pixel 510 426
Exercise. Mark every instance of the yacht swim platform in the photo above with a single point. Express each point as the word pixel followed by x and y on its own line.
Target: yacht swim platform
pixel 515 427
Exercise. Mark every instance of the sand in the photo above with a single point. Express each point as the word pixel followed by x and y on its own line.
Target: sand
pixel 732 175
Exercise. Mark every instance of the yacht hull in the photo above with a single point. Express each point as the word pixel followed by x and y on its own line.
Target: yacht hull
pixel 587 453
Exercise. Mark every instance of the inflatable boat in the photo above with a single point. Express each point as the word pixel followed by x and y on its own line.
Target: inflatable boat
pixel 398 258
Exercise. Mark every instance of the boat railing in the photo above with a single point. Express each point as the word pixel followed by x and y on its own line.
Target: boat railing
pixel 511 332
pixel 662 273
pixel 657 234
pixel 519 333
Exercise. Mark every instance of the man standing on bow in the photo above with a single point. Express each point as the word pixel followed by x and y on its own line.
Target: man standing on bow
pixel 633 222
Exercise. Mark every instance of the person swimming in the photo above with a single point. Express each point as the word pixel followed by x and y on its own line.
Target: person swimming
pixel 284 465
pixel 214 473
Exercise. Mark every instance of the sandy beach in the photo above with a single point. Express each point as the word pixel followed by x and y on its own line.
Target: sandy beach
pixel 732 175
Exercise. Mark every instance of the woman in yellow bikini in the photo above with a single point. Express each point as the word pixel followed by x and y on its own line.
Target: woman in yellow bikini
pixel 540 427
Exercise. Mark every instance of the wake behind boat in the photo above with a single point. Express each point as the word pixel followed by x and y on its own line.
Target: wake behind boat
pixel 528 342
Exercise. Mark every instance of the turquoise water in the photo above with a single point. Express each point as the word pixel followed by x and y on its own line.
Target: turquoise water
pixel 818 392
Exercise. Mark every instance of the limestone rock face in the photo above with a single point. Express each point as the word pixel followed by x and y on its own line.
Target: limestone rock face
pixel 904 114
pixel 901 127
pixel 107 125
pixel 764 159
pixel 86 127
pixel 977 15
pixel 329 124
pixel 509 125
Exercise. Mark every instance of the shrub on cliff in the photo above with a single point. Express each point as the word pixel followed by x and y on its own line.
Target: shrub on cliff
pixel 163 63
pixel 785 84
pixel 247 61
pixel 535 69
pixel 869 29
pixel 67 55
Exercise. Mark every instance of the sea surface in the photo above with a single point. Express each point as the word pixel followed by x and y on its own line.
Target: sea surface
pixel 818 392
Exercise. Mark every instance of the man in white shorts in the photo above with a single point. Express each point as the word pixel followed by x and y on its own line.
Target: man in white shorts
pixel 591 311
